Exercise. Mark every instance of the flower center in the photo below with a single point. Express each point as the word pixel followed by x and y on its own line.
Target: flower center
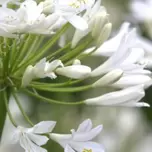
pixel 78 3
pixel 87 150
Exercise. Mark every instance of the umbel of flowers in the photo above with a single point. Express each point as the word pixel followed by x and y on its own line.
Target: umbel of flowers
pixel 35 44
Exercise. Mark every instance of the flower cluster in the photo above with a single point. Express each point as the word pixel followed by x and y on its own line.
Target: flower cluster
pixel 49 40
pixel 81 140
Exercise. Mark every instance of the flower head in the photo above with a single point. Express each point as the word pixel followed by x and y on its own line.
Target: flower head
pixel 32 138
pixel 80 140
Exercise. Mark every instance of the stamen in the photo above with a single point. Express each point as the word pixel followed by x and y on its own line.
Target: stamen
pixel 78 3
pixel 87 150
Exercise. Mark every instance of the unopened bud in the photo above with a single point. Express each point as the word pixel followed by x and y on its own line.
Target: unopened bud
pixel 99 22
pixel 105 33
pixel 109 78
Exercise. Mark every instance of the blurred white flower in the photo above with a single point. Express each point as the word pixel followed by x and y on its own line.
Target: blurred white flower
pixel 32 138
pixel 128 97
pixel 80 140
pixel 142 9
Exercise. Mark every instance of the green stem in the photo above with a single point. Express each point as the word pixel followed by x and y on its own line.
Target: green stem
pixel 75 52
pixel 67 83
pixel 58 51
pixel 52 100
pixel 2 112
pixel 8 110
pixel 21 109
pixel 43 50
pixel 70 89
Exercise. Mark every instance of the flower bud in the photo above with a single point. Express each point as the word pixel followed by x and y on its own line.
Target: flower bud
pixel 28 76
pixel 105 33
pixel 74 71
pixel 109 78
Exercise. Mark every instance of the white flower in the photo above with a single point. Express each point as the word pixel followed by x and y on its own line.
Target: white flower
pixel 127 97
pixel 32 138
pixel 110 46
pixel 124 58
pixel 42 69
pixel 142 10
pixel 70 9
pixel 97 19
pixel 74 71
pixel 80 140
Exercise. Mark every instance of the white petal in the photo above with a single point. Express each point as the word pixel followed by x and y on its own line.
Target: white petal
pixel 118 57
pixel 85 126
pixel 39 68
pixel 29 146
pixel 80 146
pixel 53 65
pixel 78 22
pixel 135 55
pixel 118 97
pixel 87 135
pixel 135 104
pixel 141 10
pixel 44 127
pixel 74 71
pixel 28 76
pixel 38 139
pixel 111 46
pixel 133 80
pixel 61 139
pixel 68 149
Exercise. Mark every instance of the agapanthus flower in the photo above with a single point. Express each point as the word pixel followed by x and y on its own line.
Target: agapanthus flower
pixel 32 138
pixel 81 139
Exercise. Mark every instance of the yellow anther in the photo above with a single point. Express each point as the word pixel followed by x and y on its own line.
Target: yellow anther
pixel 87 150
pixel 78 3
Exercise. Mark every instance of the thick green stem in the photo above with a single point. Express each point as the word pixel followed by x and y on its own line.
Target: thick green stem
pixel 2 113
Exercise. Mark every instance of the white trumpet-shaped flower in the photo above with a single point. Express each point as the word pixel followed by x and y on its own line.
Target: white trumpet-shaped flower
pixel 32 138
pixel 125 58
pixel 41 70
pixel 81 139
pixel 127 97
pixel 110 46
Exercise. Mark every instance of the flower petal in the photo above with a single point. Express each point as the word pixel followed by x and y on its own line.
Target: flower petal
pixel 81 146
pixel 74 71
pixel 118 97
pixel 28 76
pixel 50 67
pixel 29 146
pixel 44 127
pixel 85 126
pixel 87 135
pixel 38 139
pixel 133 80
pixel 68 149
pixel 62 139
pixel 78 22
